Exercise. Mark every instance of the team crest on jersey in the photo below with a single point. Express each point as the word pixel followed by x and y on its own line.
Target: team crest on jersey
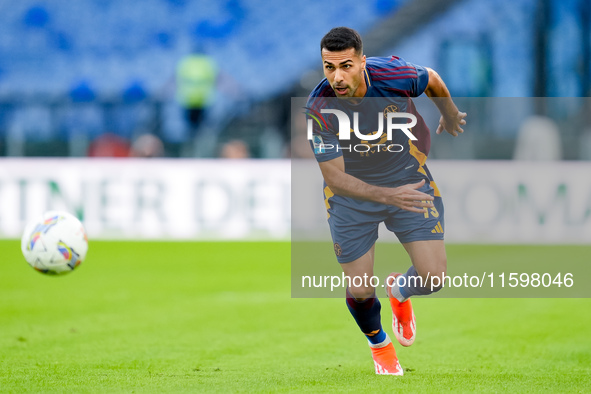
pixel 390 108
pixel 318 144
pixel 381 141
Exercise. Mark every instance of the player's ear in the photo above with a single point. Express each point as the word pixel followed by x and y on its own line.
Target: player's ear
pixel 363 61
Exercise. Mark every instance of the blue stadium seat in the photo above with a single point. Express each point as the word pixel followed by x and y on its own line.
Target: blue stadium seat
pixel 36 17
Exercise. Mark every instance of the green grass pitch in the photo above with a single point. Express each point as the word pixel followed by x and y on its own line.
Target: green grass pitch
pixel 201 317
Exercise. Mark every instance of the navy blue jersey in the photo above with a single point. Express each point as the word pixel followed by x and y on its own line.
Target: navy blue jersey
pixel 391 83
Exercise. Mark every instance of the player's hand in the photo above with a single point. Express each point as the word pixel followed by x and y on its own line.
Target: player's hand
pixel 452 124
pixel 409 198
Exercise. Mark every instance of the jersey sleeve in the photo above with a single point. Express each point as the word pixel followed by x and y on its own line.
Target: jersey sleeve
pixel 399 75
pixel 324 142
pixel 320 129
pixel 419 84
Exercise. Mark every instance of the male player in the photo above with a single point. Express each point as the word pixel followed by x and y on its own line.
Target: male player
pixel 387 181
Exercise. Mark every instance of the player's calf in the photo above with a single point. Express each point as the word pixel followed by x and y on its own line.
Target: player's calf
pixel 399 288
pixel 366 313
pixel 433 281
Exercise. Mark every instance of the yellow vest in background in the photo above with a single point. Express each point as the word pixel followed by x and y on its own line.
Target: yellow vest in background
pixel 196 77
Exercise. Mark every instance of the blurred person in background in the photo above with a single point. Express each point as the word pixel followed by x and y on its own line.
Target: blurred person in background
pixel 196 80
pixel 147 145
pixel 235 149
pixel 109 145
pixel 538 139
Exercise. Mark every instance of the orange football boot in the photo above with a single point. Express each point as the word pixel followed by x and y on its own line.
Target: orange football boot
pixel 404 323
pixel 385 360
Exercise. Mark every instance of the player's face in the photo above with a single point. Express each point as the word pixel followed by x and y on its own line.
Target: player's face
pixel 344 71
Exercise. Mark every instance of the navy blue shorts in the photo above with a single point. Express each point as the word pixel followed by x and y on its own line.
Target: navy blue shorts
pixel 354 231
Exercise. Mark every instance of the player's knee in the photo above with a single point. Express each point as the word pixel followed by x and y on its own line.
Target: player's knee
pixel 436 285
pixel 436 279
pixel 361 293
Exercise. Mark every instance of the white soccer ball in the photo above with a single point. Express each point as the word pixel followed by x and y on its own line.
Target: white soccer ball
pixel 55 243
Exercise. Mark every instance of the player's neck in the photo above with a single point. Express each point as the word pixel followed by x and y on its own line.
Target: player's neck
pixel 362 89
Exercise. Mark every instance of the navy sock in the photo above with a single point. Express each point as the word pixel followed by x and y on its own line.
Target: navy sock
pixel 411 287
pixel 367 315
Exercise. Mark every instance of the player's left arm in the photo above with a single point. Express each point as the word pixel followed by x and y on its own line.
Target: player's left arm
pixel 451 119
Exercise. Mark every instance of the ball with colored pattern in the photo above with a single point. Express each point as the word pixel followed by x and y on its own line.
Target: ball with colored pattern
pixel 54 244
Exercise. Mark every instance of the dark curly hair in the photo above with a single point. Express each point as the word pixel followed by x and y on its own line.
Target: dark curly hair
pixel 340 39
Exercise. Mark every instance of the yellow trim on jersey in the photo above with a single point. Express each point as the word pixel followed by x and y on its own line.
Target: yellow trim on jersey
pixel 435 189
pixel 417 154
pixel 367 75
pixel 422 159
pixel 327 194
pixel 420 156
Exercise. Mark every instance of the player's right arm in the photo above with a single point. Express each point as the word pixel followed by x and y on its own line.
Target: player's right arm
pixel 451 119
pixel 406 197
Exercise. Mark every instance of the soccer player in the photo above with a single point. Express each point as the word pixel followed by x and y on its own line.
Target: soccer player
pixel 369 182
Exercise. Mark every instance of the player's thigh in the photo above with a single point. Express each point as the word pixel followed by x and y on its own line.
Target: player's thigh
pixel 353 232
pixel 360 272
pixel 422 235
pixel 361 266
pixel 428 257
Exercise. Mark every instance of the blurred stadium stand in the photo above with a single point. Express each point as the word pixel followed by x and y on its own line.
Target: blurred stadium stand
pixel 73 70
pixel 79 69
